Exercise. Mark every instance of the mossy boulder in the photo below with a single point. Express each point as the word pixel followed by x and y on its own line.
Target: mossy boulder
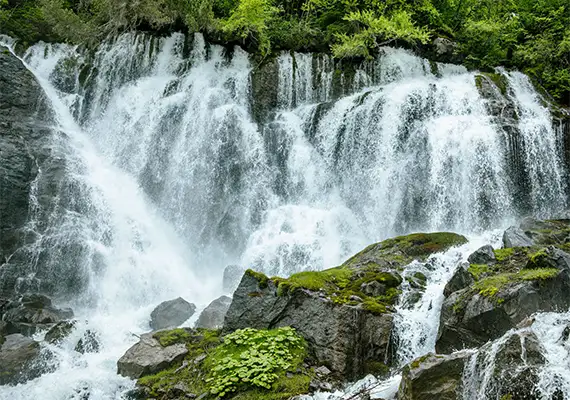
pixel 344 313
pixel 345 335
pixel 401 250
pixel 509 365
pixel 503 292
pixel 245 365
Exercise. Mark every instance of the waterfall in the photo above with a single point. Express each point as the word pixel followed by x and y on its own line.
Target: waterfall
pixel 165 177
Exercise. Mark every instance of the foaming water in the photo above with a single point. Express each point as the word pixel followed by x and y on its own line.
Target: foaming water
pixel 129 259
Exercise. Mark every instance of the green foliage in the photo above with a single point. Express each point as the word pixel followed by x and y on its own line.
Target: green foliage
pixel 250 20
pixel 533 36
pixel 397 26
pixel 259 356
pixel 254 358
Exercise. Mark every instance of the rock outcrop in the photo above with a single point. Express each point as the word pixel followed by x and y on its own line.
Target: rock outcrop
pixel 171 313
pixel 24 136
pixel 510 367
pixel 503 292
pixel 148 356
pixel 30 313
pixel 212 317
pixel 17 356
pixel 345 317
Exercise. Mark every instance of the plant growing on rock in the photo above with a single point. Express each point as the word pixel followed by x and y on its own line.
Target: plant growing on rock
pixel 254 358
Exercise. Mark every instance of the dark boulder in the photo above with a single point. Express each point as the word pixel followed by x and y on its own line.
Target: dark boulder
pixel 483 255
pixel 89 343
pixel 59 331
pixel 17 356
pixel 505 368
pixel 344 313
pixel 148 357
pixel 516 237
pixel 476 314
pixel 460 280
pixel 346 338
pixel 33 312
pixel 171 313
pixel 213 316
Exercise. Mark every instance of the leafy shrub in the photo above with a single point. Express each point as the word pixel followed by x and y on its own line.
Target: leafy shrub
pixel 251 358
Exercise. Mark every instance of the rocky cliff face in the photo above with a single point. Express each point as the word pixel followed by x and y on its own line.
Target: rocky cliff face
pixel 25 132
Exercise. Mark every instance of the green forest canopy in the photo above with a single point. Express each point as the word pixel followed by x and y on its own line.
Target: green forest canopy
pixel 531 35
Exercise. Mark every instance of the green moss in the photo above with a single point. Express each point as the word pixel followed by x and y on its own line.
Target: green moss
pixel 423 244
pixel 418 361
pixel 539 259
pixel 262 279
pixel 478 270
pixel 316 280
pixel 490 286
pixel 420 277
pixel 174 336
pixel 503 254
pixel 255 294
pixel 537 274
pixel 376 368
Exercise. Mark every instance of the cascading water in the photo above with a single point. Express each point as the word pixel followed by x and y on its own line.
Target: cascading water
pixel 166 175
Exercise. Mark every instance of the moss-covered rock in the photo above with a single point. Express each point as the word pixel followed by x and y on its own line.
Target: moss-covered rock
pixel 246 364
pixel 344 313
pixel 514 360
pixel 401 250
pixel 505 291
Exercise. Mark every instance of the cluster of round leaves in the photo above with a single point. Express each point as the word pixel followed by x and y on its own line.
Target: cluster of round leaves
pixel 251 358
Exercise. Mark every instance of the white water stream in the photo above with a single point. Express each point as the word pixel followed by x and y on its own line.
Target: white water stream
pixel 168 179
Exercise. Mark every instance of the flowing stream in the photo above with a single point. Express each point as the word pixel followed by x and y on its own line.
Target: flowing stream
pixel 167 177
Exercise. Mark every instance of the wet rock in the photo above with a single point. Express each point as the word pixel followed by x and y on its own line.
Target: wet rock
pixel 460 280
pixel 232 277
pixel 17 356
pixel 514 369
pixel 89 343
pixel 148 357
pixel 213 316
pixel 511 365
pixel 470 317
pixel 264 90
pixel 24 118
pixel 483 255
pixel 171 313
pixel 516 237
pixel 59 332
pixel 434 377
pixel 31 313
